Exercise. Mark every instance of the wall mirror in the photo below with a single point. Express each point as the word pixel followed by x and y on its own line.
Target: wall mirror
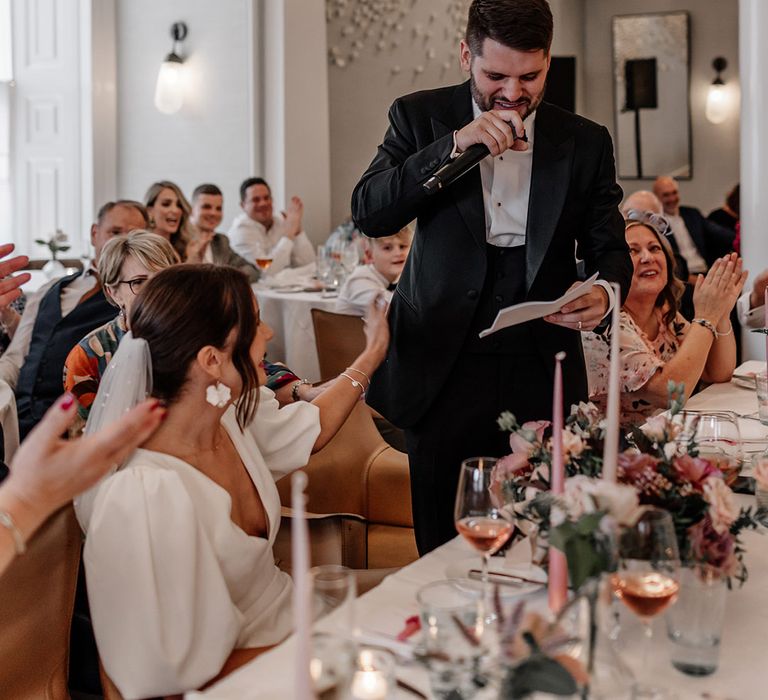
pixel 651 95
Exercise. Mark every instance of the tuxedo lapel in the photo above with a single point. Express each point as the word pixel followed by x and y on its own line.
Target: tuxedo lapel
pixel 550 175
pixel 467 191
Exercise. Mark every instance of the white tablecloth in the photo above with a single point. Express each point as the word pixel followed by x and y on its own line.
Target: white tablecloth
pixel 289 316
pixel 743 670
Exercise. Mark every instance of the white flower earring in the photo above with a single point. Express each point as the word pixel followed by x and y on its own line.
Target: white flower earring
pixel 218 394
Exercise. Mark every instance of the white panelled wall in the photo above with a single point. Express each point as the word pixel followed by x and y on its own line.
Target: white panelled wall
pixel 753 58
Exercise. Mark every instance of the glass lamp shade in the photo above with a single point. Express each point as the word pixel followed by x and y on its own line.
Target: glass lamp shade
pixel 717 104
pixel 169 92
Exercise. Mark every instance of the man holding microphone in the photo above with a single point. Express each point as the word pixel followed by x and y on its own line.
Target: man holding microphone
pixel 502 233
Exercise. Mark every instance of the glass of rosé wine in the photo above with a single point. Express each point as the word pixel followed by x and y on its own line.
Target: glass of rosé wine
pixel 479 519
pixel 647 578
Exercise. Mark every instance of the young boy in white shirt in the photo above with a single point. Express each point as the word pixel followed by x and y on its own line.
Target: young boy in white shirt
pixel 385 259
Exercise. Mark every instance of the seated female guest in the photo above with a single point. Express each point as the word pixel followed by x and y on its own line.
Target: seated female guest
pixel 178 551
pixel 657 343
pixel 169 212
pixel 125 264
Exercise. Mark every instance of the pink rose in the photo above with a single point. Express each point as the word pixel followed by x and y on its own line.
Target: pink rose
pixel 722 504
pixel 708 546
pixel 524 440
pixel 506 469
pixel 695 469
pixel 633 464
pixel 573 445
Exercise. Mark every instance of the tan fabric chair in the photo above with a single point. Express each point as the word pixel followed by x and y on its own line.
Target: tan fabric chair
pixel 339 339
pixel 37 597
pixel 357 473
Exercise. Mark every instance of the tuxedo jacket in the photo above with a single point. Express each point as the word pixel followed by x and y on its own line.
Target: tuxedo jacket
pixel 712 240
pixel 573 204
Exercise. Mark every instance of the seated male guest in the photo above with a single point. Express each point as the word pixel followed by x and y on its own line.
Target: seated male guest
pixel 262 233
pixel 213 247
pixel 57 317
pixel 699 241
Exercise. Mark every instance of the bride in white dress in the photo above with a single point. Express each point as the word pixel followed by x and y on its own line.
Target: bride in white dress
pixel 178 551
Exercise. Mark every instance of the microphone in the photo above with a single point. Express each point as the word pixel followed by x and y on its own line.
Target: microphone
pixel 460 165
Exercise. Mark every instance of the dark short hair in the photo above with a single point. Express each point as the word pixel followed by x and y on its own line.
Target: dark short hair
pixel 206 188
pixel 109 206
pixel 732 200
pixel 523 25
pixel 186 307
pixel 250 182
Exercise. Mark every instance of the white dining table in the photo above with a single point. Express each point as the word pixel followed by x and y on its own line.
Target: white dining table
pixel 289 313
pixel 743 668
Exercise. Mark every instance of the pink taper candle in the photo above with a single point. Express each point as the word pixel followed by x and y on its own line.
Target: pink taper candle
pixel 558 566
pixel 302 614
pixel 613 409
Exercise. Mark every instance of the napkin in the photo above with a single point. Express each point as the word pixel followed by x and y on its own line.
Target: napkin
pixel 290 276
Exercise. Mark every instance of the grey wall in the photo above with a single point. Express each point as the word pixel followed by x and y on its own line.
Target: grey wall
pixel 210 138
pixel 714 32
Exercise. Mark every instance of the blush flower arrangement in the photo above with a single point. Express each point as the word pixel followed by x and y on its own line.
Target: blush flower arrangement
pixel 657 466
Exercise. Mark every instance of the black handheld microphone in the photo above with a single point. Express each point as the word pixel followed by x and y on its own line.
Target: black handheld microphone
pixel 460 165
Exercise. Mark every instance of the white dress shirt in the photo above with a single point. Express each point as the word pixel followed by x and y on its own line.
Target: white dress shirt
pixel 360 289
pixel 750 318
pixel 685 244
pixel 251 240
pixel 506 181
pixel 14 357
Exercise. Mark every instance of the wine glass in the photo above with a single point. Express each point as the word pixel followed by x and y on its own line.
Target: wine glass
pixel 479 519
pixel 263 263
pixel 718 438
pixel 647 578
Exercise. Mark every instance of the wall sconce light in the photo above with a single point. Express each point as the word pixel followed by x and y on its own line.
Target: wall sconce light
pixel 716 110
pixel 169 92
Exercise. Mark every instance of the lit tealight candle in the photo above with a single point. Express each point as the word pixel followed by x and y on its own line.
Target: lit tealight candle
pixel 369 682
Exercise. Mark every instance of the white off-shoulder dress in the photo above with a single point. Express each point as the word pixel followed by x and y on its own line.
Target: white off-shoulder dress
pixel 174 585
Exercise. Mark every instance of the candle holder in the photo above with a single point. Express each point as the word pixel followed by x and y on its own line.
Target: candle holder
pixel 373 675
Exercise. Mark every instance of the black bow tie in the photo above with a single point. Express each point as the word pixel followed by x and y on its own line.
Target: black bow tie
pixel 392 286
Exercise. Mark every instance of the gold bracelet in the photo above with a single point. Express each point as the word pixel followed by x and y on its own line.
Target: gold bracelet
pixel 355 383
pixel 359 371
pixel 18 539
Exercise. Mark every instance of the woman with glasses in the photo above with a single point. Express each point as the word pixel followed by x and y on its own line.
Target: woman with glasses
pixel 125 264
pixel 657 344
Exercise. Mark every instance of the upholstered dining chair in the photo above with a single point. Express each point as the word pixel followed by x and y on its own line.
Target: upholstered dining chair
pixel 37 597
pixel 339 339
pixel 366 483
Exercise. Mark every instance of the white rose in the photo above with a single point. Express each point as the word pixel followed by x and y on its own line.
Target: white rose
pixel 655 427
pixel 619 501
pixel 722 504
pixel 576 497
pixel 557 515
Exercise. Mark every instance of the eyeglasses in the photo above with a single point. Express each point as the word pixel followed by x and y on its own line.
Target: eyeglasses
pixel 657 222
pixel 135 284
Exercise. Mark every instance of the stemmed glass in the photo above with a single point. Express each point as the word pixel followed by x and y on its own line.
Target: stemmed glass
pixel 718 438
pixel 479 519
pixel 647 578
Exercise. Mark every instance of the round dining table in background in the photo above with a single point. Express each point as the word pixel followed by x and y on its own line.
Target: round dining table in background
pixel 289 314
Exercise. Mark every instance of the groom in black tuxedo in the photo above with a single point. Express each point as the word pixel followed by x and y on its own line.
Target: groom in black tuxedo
pixel 508 231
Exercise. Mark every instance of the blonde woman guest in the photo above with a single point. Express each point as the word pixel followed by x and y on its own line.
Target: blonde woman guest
pixel 657 344
pixel 169 216
pixel 125 264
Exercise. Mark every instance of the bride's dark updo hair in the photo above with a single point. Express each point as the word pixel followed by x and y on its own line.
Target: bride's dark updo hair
pixel 186 307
